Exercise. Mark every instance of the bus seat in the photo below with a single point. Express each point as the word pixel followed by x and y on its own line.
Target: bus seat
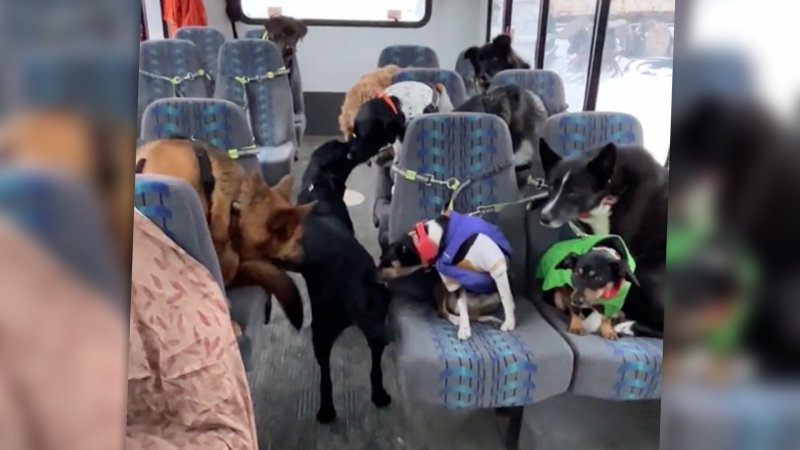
pixel 218 122
pixel 628 369
pixel 295 81
pixel 409 56
pixel 492 368
pixel 575 132
pixel 252 75
pixel 170 68
pixel 64 214
pixel 173 205
pixel 451 80
pixel 467 71
pixel 208 40
pixel 544 83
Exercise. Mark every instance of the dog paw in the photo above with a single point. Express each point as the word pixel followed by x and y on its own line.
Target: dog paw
pixel 381 399
pixel 508 325
pixel 326 415
pixel 464 332
pixel 610 335
pixel 580 331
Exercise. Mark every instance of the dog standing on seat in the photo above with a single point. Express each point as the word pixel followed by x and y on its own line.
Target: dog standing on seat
pixel 471 257
pixel 251 223
pixel 620 191
pixel 286 32
pixel 339 272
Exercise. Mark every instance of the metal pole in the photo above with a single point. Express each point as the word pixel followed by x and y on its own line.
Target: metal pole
pixel 596 55
pixel 541 40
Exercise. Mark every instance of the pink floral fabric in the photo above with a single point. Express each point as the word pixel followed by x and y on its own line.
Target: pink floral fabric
pixel 187 387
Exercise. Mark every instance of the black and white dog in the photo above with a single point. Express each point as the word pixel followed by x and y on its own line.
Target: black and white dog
pixel 339 271
pixel 523 111
pixel 492 58
pixel 621 191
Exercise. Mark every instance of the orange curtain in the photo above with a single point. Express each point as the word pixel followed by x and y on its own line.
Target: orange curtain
pixel 182 13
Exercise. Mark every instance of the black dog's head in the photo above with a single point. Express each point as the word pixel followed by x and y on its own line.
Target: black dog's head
pixel 597 270
pixel 379 122
pixel 492 58
pixel 399 259
pixel 286 32
pixel 504 101
pixel 577 185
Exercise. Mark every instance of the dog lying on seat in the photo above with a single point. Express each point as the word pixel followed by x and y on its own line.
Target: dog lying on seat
pixel 251 223
pixel 470 256
pixel 367 87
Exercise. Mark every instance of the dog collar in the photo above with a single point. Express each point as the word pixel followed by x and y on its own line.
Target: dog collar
pixel 608 200
pixel 426 248
pixel 388 100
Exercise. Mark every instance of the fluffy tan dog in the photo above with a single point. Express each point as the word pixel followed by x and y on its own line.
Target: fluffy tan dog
pixel 368 86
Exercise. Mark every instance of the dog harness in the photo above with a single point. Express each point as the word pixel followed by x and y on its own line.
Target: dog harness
pixel 554 278
pixel 459 229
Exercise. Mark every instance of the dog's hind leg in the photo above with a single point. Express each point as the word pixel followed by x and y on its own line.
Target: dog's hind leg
pixel 380 398
pixel 323 339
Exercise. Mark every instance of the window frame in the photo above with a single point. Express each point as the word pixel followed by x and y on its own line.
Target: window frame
pixel 242 17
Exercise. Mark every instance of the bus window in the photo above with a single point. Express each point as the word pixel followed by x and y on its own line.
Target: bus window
pixel 409 12
pixel 525 27
pixel 569 41
pixel 497 18
pixel 636 73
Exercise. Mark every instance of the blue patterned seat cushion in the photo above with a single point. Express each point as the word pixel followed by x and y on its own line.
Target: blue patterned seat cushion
pixel 207 40
pixel 409 56
pixel 491 369
pixel 450 79
pixel 544 83
pixel 573 133
pixel 169 58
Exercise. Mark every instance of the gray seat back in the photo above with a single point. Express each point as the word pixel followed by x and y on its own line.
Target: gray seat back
pixel 450 79
pixel 572 133
pixel 268 102
pixel 464 68
pixel 65 215
pixel 259 33
pixel 295 79
pixel 170 59
pixel 173 205
pixel 544 83
pixel 409 56
pixel 208 41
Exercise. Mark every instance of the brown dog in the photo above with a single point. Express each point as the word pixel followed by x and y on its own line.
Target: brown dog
pixel 93 149
pixel 369 86
pixel 251 223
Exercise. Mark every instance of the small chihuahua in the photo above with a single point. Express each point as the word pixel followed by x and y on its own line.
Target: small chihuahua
pixel 597 277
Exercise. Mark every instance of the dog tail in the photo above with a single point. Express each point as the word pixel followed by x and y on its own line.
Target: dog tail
pixel 281 285
pixel 633 328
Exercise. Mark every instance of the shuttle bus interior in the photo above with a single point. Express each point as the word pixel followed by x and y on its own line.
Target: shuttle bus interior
pixel 603 69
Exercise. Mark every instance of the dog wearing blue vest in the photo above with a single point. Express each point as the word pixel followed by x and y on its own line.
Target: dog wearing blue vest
pixel 471 258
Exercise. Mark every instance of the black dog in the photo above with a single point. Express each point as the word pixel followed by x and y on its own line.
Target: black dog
pixel 492 58
pixel 286 32
pixel 339 272
pixel 523 112
pixel 621 191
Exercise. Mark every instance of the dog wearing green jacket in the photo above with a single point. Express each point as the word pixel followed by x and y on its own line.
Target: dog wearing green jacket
pixel 589 278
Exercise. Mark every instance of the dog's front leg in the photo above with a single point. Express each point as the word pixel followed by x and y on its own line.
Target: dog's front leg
pixel 464 331
pixel 607 329
pixel 507 299
pixel 576 321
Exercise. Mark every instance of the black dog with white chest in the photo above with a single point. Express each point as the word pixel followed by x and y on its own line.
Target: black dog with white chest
pixel 339 272
pixel 492 58
pixel 618 190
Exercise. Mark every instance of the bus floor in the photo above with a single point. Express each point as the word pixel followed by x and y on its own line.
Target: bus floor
pixel 285 377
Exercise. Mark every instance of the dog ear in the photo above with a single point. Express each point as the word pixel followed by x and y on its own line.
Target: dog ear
pixel 302 28
pixel 549 157
pixel 502 44
pixel 602 166
pixel 569 262
pixel 621 269
pixel 472 54
pixel 284 187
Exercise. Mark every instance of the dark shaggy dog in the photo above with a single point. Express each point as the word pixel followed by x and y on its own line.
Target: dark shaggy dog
pixel 621 191
pixel 523 112
pixel 286 32
pixel 339 272
pixel 492 58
